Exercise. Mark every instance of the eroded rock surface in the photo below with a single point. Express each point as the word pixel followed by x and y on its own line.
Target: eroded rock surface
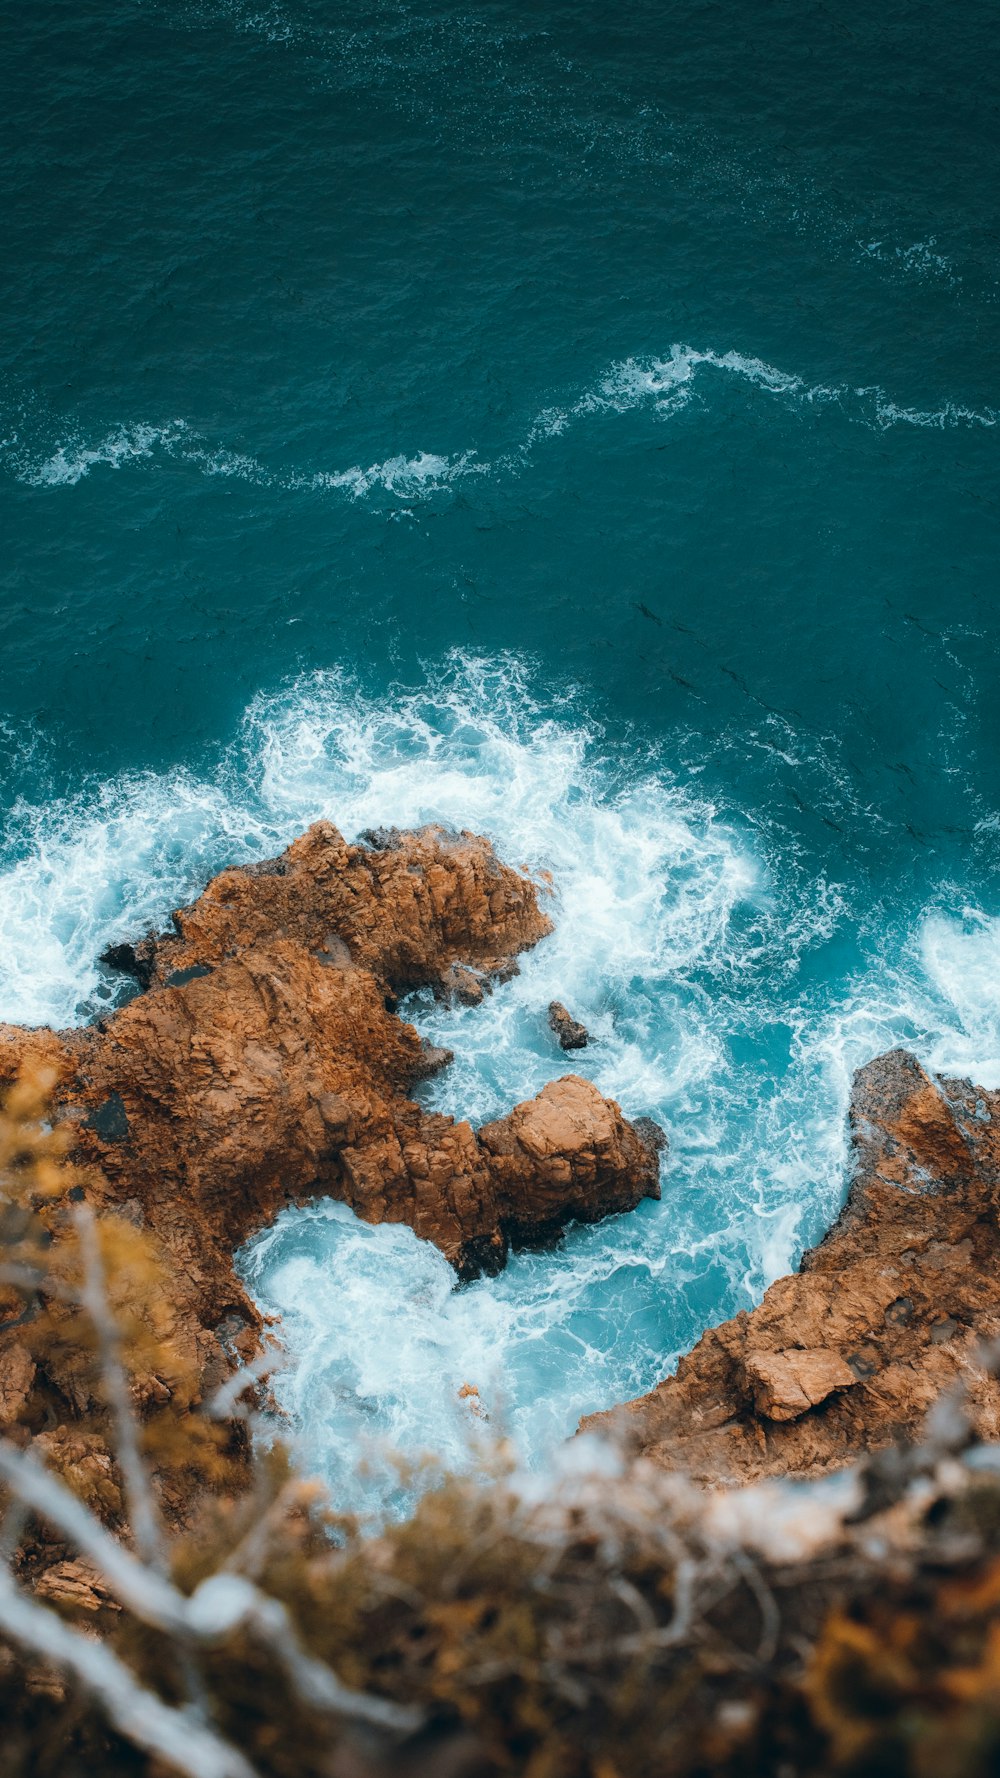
pixel 265 1063
pixel 569 1031
pixel 567 1153
pixel 890 1309
pixel 408 907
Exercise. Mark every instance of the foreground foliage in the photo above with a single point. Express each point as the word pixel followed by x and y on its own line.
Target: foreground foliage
pixel 168 1603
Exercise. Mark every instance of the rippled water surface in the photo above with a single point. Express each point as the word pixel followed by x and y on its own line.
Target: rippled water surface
pixel 572 422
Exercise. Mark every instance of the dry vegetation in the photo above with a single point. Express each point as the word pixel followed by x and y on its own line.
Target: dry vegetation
pixel 170 1603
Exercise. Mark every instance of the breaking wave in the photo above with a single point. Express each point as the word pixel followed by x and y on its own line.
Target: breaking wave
pixel 728 992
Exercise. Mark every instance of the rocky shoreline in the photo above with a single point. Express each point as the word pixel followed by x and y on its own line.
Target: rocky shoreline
pixel 263 1061
pixel 892 1308
pixel 618 1618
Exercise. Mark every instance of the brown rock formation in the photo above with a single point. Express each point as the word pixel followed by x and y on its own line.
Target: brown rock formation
pixel 890 1309
pixel 571 1034
pixel 409 907
pixel 567 1153
pixel 265 1063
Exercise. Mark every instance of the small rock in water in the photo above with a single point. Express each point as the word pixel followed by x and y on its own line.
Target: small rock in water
pixel 571 1034
pixel 136 960
pixel 470 1392
pixel 433 1057
pixel 504 969
pixel 466 985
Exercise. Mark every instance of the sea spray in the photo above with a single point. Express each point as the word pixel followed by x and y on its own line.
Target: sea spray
pixel 729 993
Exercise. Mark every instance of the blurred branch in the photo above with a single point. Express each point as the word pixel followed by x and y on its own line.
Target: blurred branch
pixel 176 1736
pixel 225 1403
pixel 221 1605
pixel 143 1516
pixel 144 1590
pixel 227 1602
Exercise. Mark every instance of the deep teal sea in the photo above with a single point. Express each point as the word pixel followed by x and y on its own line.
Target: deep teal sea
pixel 578 422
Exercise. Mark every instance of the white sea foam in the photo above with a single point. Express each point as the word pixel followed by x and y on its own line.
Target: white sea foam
pixel 682 945
pixel 425 473
pixel 668 384
pixel 667 381
pixel 421 474
pixel 73 459
pixel 951 414
pixel 78 876
pixel 959 958
pixel 665 384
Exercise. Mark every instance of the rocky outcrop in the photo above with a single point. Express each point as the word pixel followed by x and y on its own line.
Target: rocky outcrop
pixel 569 1031
pixel 890 1309
pixel 408 907
pixel 569 1153
pixel 265 1063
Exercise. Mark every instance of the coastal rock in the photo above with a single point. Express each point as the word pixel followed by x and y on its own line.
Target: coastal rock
pixel 889 1310
pixel 787 1384
pixel 567 1153
pixel 651 1134
pixel 571 1034
pixel 409 908
pixel 75 1586
pixel 265 1063
pixel 467 986
pixel 17 1374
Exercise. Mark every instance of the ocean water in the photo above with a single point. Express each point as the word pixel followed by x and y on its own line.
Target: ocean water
pixel 574 423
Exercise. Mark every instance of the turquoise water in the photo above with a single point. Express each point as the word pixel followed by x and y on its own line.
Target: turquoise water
pixel 574 422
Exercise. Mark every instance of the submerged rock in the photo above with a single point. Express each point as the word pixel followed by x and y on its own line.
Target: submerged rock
pixel 891 1308
pixel 571 1034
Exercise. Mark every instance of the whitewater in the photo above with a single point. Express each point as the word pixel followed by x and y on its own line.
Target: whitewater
pixel 730 992
pixel 664 384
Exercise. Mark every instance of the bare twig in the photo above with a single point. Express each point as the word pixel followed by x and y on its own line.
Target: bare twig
pixel 223 1603
pixel 143 1589
pixel 176 1736
pixel 770 1630
pixel 248 1555
pixel 143 1516
pixel 225 1403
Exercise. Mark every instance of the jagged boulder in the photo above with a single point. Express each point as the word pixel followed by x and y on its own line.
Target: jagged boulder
pixel 409 907
pixel 569 1031
pixel 567 1153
